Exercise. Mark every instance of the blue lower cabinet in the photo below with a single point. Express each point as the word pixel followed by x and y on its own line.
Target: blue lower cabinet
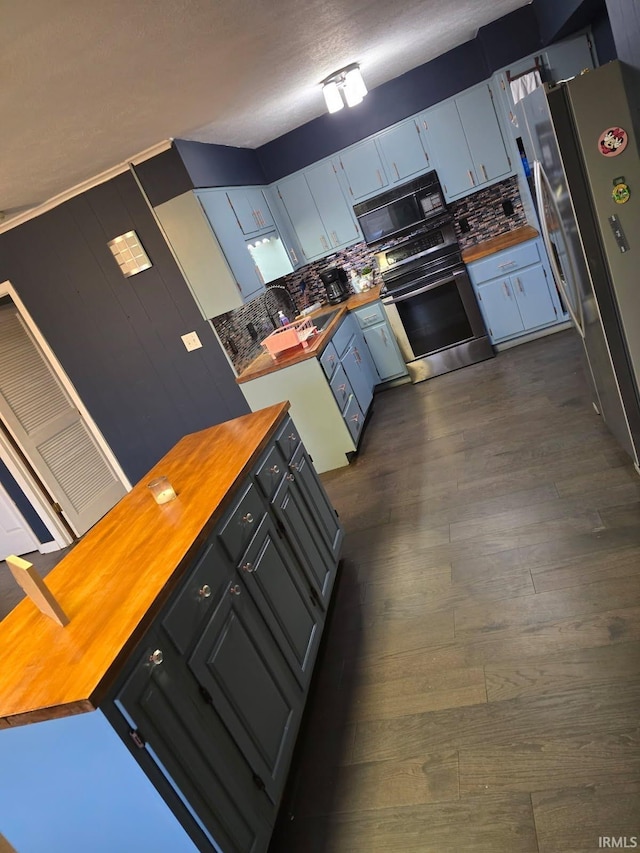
pixel 361 372
pixel 354 418
pixel 381 342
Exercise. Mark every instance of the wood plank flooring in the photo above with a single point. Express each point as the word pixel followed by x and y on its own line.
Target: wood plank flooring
pixel 478 688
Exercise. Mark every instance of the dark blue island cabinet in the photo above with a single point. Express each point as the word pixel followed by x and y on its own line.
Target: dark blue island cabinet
pixel 164 716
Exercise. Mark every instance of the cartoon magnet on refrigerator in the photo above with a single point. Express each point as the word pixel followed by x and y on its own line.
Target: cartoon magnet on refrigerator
pixel 621 192
pixel 612 141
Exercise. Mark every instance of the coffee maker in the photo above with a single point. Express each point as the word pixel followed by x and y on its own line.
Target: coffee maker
pixel 336 284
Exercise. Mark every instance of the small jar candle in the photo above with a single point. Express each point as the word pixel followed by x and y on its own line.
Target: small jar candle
pixel 162 490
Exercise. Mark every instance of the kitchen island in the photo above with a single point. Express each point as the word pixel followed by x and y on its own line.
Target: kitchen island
pixel 99 720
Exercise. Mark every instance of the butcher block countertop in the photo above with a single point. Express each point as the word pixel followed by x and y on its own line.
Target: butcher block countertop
pixel 497 244
pixel 264 364
pixel 115 580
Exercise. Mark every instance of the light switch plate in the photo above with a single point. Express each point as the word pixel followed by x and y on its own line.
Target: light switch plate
pixel 191 341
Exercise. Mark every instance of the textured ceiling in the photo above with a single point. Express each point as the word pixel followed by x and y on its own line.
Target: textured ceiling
pixel 85 86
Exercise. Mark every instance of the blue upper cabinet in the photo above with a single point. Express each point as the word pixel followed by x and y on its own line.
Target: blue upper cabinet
pixel 250 209
pixel 363 170
pixel 335 212
pixel 483 135
pixel 223 220
pixel 447 140
pixel 464 135
pixel 319 212
pixel 404 151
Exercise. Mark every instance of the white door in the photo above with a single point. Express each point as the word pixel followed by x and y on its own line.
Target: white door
pixel 50 430
pixel 15 536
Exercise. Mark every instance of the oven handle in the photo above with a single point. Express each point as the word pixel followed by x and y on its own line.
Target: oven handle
pixel 391 298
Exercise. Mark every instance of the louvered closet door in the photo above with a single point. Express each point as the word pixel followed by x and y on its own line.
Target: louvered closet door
pixel 50 429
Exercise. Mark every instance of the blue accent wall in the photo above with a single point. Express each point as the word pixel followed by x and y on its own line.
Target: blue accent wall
pixel 164 176
pixel 603 37
pixel 220 165
pixel 18 497
pixel 509 38
pixel 118 338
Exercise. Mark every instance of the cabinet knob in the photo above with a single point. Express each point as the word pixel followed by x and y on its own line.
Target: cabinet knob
pixel 293 437
pixel 247 519
pixel 291 478
pixel 235 589
pixel 156 658
pixel 274 470
pixel 249 568
pixel 205 591
pixel 294 466
pixel 331 359
pixel 355 418
pixel 342 388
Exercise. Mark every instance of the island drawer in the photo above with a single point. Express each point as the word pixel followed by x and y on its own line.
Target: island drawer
pixel 240 523
pixel 288 439
pixel 270 470
pixel 354 418
pixel 199 594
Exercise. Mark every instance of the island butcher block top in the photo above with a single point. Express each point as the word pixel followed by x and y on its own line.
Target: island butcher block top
pixel 497 244
pixel 116 579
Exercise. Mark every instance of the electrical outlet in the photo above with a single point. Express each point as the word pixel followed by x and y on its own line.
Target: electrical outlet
pixel 464 226
pixel 507 207
pixel 191 341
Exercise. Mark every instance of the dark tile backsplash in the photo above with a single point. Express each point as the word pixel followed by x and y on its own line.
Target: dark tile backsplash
pixel 477 217
pixel 487 213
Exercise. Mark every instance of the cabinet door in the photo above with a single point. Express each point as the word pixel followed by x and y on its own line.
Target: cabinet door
pixel 363 169
pixel 336 214
pixel 275 580
pixel 404 150
pixel 223 220
pixel 296 197
pixel 446 139
pixel 534 299
pixel 317 501
pixel 240 667
pixel 251 210
pixel 305 537
pixel 482 131
pixel 361 372
pixel 385 352
pixel 183 746
pixel 500 309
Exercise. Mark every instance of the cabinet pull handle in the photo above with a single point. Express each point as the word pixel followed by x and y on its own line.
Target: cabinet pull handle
pixel 396 169
pixel 235 589
pixel 355 418
pixel 274 470
pixel 357 355
pixel 249 568
pixel 519 283
pixel 507 292
pixel 471 179
pixel 384 337
pixel 323 240
pixel 484 172
pixel 156 658
pixel 294 466
pixel 293 255
pixel 342 388
pixel 247 519
pixel 380 181
pixel 205 591
pixel 331 359
pixel 335 237
pixel 292 437
pixel 255 218
pixel 506 264
pixel 291 478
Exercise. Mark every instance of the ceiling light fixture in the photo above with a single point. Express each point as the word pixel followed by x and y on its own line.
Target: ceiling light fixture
pixel 346 83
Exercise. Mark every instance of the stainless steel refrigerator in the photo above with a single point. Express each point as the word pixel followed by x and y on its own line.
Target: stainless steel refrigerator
pixel 581 139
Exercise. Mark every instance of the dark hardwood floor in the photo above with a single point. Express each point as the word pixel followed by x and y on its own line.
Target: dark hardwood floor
pixel 478 689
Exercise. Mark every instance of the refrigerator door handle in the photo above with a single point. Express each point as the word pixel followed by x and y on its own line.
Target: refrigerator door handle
pixel 538 177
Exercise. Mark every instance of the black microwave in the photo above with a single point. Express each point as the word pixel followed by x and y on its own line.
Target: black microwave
pixel 397 211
